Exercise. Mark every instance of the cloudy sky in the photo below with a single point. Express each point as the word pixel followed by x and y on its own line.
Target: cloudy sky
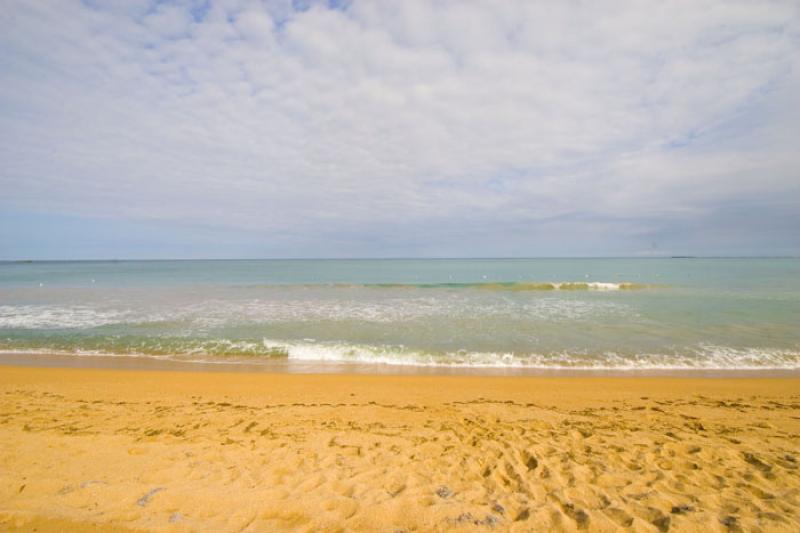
pixel 243 128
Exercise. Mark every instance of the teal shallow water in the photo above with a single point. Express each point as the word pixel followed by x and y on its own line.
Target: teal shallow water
pixel 521 313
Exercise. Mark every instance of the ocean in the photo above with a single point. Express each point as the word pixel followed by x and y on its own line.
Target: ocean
pixel 605 314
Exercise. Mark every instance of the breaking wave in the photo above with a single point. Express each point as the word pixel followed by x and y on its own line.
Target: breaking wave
pixel 703 357
pixel 514 286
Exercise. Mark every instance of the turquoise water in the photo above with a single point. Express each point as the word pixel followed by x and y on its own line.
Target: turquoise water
pixel 508 313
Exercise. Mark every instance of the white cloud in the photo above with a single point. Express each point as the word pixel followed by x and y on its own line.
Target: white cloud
pixel 259 117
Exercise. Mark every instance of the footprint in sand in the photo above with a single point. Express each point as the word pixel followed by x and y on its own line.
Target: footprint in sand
pixel 620 517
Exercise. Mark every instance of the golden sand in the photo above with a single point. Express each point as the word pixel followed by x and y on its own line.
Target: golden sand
pixel 102 450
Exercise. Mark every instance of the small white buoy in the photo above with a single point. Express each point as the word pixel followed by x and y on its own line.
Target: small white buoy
pixel 484 276
pixel 586 275
pixel 92 280
pixel 41 284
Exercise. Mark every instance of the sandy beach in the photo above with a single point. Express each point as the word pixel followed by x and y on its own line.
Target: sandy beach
pixel 115 450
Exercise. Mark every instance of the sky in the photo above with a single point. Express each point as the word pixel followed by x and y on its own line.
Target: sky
pixel 242 128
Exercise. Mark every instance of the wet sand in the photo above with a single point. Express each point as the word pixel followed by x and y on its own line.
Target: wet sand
pixel 218 451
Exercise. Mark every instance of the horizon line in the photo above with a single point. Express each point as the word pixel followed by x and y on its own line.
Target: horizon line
pixel 395 258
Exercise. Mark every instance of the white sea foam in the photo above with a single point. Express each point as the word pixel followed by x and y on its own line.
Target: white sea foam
pixel 603 286
pixel 216 313
pixel 38 316
pixel 703 358
pixel 232 351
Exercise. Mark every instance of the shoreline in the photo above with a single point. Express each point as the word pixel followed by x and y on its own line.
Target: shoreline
pixel 158 363
pixel 121 450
